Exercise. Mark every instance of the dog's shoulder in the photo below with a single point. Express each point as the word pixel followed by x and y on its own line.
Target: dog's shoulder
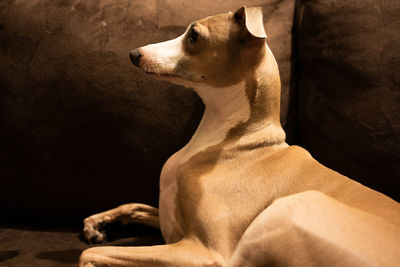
pixel 294 152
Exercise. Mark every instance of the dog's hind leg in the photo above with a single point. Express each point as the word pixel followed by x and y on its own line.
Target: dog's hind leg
pixel 127 213
pixel 183 253
pixel 313 229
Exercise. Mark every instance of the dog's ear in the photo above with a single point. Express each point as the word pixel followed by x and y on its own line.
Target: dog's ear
pixel 252 19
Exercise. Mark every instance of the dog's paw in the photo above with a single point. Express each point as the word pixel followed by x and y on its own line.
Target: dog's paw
pixel 92 230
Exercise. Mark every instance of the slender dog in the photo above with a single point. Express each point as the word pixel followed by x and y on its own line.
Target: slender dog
pixel 237 194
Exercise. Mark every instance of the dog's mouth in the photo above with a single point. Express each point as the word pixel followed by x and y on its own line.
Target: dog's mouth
pixel 161 75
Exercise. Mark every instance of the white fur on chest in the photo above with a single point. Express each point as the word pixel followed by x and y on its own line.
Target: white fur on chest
pixel 225 108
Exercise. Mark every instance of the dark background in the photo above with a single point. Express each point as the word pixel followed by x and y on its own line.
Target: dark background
pixel 82 130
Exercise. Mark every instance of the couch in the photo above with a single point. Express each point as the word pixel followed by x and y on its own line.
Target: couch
pixel 82 130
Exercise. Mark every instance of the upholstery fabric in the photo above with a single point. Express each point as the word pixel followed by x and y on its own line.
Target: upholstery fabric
pixel 349 88
pixel 62 246
pixel 81 129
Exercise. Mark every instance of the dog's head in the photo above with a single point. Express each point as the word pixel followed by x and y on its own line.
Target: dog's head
pixel 217 51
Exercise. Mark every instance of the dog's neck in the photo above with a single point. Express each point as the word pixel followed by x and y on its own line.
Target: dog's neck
pixel 246 114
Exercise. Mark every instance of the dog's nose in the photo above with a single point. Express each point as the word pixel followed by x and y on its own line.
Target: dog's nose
pixel 135 56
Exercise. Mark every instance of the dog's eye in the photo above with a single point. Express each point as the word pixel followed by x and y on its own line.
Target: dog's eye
pixel 193 36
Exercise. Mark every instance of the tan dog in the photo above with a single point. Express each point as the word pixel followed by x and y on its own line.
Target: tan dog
pixel 237 194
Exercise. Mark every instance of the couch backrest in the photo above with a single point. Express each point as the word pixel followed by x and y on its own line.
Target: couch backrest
pixel 349 88
pixel 81 130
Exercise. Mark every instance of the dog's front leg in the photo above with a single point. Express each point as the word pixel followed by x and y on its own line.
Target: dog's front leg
pixel 127 213
pixel 183 253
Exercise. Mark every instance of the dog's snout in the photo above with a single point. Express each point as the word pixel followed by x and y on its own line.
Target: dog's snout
pixel 135 56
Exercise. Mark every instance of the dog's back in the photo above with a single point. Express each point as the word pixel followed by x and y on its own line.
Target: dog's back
pixel 220 192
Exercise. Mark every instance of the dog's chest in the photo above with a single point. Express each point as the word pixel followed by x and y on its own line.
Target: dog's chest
pixel 170 225
pixel 169 212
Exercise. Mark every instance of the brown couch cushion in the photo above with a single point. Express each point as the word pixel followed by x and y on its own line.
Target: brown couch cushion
pixel 46 246
pixel 349 97
pixel 81 129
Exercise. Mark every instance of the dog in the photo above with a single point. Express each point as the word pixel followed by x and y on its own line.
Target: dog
pixel 237 194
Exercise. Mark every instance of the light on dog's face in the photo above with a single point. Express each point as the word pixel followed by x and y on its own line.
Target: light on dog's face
pixel 216 51
pixel 159 59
